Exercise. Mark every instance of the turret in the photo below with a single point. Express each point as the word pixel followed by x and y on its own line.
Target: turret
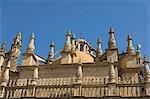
pixel 67 46
pixel 31 46
pixel 5 74
pixel 111 42
pixel 130 48
pixel 14 53
pixel 51 53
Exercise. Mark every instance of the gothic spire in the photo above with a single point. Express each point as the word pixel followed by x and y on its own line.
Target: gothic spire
pixel 31 46
pixel 99 49
pixel 51 53
pixel 130 48
pixel 112 41
pixel 67 46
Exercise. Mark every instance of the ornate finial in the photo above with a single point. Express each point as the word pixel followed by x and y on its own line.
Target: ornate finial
pixel 129 37
pixel 17 41
pixel 32 36
pixel 138 52
pixel 51 52
pixel 52 44
pixel 69 33
pixel 99 49
pixel 98 40
pixel 111 29
pixel 139 48
pixel 18 35
pixel 130 48
pixel 67 46
pixel 31 46
pixel 112 41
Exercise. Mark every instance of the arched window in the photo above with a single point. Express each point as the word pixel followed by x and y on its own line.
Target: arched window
pixel 81 47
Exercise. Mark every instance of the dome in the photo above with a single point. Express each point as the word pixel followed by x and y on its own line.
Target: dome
pixel 82 51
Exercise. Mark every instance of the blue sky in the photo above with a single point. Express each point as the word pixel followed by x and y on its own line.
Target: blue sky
pixel 50 20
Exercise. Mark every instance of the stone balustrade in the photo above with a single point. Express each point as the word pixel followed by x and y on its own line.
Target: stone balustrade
pixel 65 87
pixel 95 80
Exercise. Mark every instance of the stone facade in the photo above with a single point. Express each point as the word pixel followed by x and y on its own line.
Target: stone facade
pixel 80 72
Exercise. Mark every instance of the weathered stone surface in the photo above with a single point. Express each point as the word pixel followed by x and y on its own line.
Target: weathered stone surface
pixel 77 74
